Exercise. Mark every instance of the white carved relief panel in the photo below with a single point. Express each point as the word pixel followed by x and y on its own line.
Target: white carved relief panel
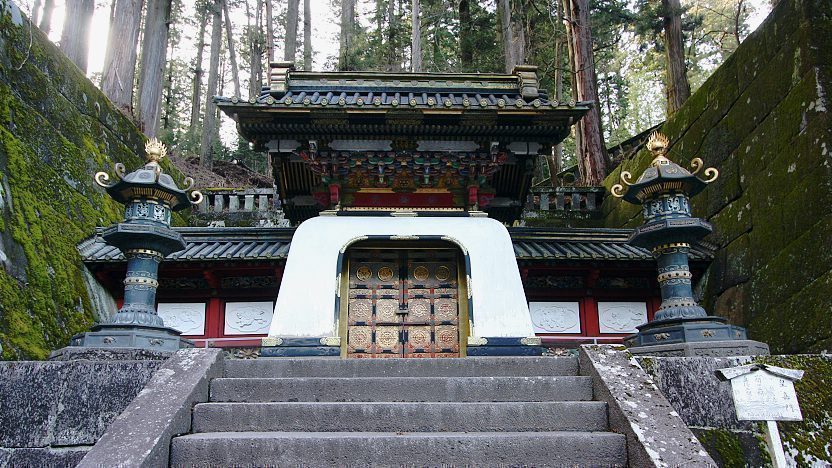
pixel 248 318
pixel 555 317
pixel 621 317
pixel 186 317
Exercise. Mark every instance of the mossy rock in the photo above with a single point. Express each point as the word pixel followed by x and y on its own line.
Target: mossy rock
pixel 794 267
pixel 732 221
pixel 763 119
pixel 734 449
pixel 800 323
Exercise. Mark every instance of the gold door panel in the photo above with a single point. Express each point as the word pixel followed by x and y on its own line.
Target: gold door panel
pixel 387 311
pixel 388 340
pixel 447 338
pixel 403 303
pixel 360 339
pixel 418 311
pixel 361 311
pixel 445 311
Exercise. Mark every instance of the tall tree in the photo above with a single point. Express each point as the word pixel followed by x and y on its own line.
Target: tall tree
pixel 256 44
pixel 416 38
pixel 307 35
pixel 232 52
pixel 36 11
pixel 209 127
pixel 518 47
pixel 507 35
pixel 152 64
pixel 513 35
pixel 168 102
pixel 466 32
pixel 120 59
pixel 292 16
pixel 75 37
pixel 345 58
pixel 270 31
pixel 555 160
pixel 677 86
pixel 46 17
pixel 196 89
pixel 592 152
pixel 392 57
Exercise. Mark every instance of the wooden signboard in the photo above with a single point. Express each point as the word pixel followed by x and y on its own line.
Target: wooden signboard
pixel 765 393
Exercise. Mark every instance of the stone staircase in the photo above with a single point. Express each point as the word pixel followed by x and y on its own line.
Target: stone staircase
pixel 532 411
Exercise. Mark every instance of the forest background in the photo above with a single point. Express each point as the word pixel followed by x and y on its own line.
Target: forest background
pixel 161 61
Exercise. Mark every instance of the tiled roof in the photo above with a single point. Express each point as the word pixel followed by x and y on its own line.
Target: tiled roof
pixel 530 244
pixel 293 88
pixel 207 244
pixel 336 99
pixel 585 244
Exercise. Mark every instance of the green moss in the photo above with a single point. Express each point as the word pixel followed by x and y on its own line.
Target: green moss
pixel 726 445
pixel 562 219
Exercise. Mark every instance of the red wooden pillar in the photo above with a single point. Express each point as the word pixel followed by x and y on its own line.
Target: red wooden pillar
pixel 214 318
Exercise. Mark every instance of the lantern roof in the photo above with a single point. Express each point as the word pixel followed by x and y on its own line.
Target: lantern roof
pixel 663 175
pixel 149 181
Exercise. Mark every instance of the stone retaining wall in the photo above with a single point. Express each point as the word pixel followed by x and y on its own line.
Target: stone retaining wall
pixel 54 412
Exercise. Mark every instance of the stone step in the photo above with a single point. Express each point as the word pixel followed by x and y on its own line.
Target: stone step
pixel 399 449
pixel 401 417
pixel 453 367
pixel 392 389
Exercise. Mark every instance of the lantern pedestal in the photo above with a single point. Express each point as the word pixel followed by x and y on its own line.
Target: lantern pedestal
pixel 705 336
pixel 112 335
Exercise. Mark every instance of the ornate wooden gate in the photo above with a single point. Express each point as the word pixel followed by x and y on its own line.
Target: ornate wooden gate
pixel 403 303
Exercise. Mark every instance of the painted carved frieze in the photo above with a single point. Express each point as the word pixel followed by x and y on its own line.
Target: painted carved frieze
pixel 621 317
pixel 248 318
pixel 555 317
pixel 186 317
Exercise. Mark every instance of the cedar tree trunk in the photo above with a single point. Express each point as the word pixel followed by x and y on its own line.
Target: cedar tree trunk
pixel 120 60
pixel 209 128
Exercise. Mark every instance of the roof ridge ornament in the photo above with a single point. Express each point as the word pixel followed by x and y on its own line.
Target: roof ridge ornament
pixel 529 83
pixel 279 77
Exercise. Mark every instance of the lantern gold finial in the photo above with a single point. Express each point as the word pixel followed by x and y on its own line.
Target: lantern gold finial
pixel 658 145
pixel 156 150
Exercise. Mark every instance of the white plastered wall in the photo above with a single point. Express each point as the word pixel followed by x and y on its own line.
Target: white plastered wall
pixel 306 302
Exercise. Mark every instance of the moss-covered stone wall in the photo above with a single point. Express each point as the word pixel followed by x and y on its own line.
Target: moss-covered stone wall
pixel 763 120
pixel 56 131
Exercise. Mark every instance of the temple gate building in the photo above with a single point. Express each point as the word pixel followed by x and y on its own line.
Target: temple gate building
pixel 402 185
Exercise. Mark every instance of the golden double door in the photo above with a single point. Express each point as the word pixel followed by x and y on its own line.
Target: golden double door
pixel 403 303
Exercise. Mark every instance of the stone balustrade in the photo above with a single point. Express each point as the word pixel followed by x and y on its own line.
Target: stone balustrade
pixel 236 200
pixel 566 198
pixel 562 206
pixel 240 207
